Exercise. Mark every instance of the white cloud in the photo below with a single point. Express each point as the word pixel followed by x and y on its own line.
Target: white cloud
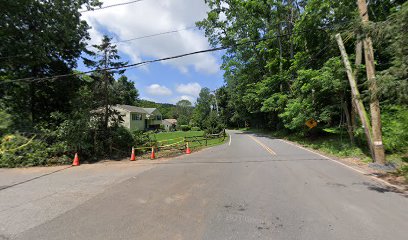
pixel 96 37
pixel 150 17
pixel 192 89
pixel 158 90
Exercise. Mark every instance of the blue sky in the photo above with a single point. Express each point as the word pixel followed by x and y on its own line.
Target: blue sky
pixel 165 82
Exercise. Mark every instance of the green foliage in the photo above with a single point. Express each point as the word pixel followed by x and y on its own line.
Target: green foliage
pixel 124 92
pixel 166 109
pixel 195 129
pixel 19 151
pixel 5 122
pixel 184 128
pixel 316 94
pixel 40 39
pixel 394 80
pixel 183 112
pixel 395 125
pixel 213 124
pixel 122 139
pixel 202 108
pixel 140 138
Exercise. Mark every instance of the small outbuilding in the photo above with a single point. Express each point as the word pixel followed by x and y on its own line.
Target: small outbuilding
pixel 169 124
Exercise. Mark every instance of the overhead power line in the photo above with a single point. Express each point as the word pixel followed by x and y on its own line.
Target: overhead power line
pixel 115 68
pixel 122 41
pixel 156 34
pixel 110 6
pixel 143 62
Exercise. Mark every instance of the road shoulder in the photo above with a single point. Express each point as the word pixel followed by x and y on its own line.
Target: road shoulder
pixel 359 167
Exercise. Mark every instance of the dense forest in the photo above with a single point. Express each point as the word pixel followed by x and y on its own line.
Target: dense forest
pixel 282 67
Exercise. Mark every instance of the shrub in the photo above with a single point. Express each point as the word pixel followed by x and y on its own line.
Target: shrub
pixel 122 139
pixel 195 129
pixel 141 139
pixel 19 151
pixel 185 127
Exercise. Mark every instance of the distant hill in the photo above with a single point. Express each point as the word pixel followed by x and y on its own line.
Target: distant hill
pixel 166 109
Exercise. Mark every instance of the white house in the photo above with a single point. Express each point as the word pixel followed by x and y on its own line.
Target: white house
pixel 137 118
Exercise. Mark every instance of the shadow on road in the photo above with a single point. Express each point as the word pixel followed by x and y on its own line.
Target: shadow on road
pixel 32 179
pixel 382 189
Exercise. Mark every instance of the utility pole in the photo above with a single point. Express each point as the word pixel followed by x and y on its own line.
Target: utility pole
pixel 379 155
pixel 359 58
pixel 358 103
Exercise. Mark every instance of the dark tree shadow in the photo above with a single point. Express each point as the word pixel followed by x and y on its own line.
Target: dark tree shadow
pixel 383 188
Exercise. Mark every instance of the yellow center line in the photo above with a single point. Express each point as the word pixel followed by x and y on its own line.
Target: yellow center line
pixel 263 145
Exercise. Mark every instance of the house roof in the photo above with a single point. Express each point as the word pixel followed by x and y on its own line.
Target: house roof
pixel 171 121
pixel 129 108
pixel 149 110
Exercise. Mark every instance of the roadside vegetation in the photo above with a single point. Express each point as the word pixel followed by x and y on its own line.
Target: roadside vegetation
pixel 284 68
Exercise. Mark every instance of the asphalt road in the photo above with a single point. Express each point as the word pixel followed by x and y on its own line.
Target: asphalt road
pixel 251 188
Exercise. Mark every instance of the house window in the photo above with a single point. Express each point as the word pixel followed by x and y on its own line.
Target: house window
pixel 136 116
pixel 158 117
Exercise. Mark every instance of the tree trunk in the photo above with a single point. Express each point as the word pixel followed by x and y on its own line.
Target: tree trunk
pixel 359 57
pixel 280 50
pixel 349 126
pixel 373 89
pixel 291 38
pixel 356 95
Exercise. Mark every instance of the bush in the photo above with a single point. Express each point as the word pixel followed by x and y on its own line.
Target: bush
pixel 195 129
pixel 185 128
pixel 122 139
pixel 140 138
pixel 19 151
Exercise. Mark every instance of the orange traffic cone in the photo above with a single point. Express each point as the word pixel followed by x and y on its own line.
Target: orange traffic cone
pixel 188 149
pixel 76 160
pixel 152 156
pixel 133 156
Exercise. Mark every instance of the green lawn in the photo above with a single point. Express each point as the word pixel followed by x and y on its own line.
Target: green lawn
pixel 177 134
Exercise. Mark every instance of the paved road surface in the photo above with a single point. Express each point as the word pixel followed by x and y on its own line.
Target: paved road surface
pixel 253 188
